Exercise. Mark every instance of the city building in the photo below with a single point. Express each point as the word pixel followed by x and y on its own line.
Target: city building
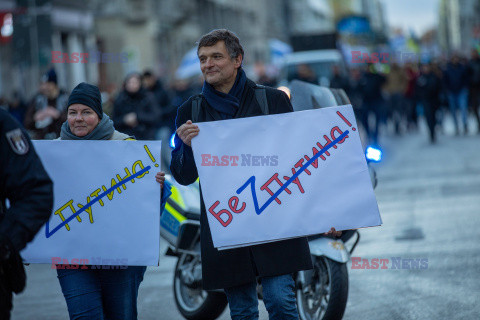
pixel 39 29
pixel 459 25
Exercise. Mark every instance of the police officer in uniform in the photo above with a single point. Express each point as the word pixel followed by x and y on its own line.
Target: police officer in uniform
pixel 29 190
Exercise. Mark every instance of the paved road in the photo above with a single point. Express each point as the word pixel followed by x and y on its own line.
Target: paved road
pixel 429 199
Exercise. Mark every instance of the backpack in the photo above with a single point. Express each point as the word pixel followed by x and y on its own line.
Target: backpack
pixel 260 96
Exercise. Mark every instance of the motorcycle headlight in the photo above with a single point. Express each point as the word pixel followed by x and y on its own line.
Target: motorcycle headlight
pixel 172 141
pixel 373 154
pixel 286 90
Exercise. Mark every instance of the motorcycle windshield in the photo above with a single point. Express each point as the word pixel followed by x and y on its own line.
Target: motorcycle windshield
pixel 305 96
pixel 186 197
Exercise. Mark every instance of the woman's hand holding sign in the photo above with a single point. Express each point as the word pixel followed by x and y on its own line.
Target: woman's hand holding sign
pixel 333 232
pixel 187 132
pixel 160 177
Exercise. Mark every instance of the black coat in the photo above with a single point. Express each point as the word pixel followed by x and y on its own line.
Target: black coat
pixel 24 182
pixel 371 84
pixel 167 111
pixel 228 268
pixel 428 88
pixel 144 104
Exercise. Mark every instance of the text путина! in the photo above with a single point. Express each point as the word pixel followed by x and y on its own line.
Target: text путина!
pixel 320 150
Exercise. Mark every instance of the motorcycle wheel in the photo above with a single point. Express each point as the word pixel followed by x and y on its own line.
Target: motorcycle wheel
pixel 324 296
pixel 193 302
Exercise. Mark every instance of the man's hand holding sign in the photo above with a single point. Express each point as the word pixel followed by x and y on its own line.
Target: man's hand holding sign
pixel 307 174
pixel 187 132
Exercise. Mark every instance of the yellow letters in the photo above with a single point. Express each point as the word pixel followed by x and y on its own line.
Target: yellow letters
pixel 88 210
pixel 140 164
pixel 95 193
pixel 120 179
pixel 59 212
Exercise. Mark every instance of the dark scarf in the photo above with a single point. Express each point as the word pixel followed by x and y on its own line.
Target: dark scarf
pixel 226 104
pixel 103 131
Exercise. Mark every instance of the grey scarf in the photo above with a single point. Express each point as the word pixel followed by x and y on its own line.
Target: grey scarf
pixel 103 131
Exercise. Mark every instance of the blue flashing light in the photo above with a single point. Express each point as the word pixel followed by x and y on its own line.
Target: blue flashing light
pixel 172 141
pixel 373 154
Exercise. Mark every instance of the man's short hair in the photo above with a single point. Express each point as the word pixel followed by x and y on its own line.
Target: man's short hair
pixel 148 73
pixel 234 48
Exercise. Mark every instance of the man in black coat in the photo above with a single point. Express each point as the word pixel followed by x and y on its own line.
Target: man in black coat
pixel 24 182
pixel 456 79
pixel 428 93
pixel 167 112
pixel 228 94
pixel 371 84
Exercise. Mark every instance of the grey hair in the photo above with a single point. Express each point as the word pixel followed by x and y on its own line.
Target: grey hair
pixel 234 48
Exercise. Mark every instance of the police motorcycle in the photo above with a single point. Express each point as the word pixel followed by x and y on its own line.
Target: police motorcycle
pixel 321 292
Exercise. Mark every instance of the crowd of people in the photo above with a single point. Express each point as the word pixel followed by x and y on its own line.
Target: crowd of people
pixel 146 108
pixel 406 92
pixel 142 107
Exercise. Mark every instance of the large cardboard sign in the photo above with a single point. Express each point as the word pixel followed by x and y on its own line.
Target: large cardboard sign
pixel 107 204
pixel 276 177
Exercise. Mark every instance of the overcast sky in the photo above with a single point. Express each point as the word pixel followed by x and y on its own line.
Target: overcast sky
pixel 417 15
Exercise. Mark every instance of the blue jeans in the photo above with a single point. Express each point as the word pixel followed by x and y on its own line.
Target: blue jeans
pixel 101 294
pixel 459 101
pixel 278 296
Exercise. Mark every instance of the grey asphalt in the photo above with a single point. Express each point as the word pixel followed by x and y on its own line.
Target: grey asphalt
pixel 429 200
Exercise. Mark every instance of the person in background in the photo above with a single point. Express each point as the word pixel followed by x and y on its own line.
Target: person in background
pixel 97 293
pixel 456 81
pixel 338 80
pixel 373 102
pixel 354 92
pixel 428 93
pixel 305 73
pixel 182 90
pixel 437 68
pixel 135 110
pixel 108 98
pixel 47 110
pixel 263 77
pixel 474 67
pixel 153 85
pixel 17 107
pixel 395 89
pixel 29 190
pixel 412 75
pixel 166 124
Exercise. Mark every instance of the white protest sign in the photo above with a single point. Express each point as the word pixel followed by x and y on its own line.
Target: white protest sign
pixel 107 204
pixel 282 176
